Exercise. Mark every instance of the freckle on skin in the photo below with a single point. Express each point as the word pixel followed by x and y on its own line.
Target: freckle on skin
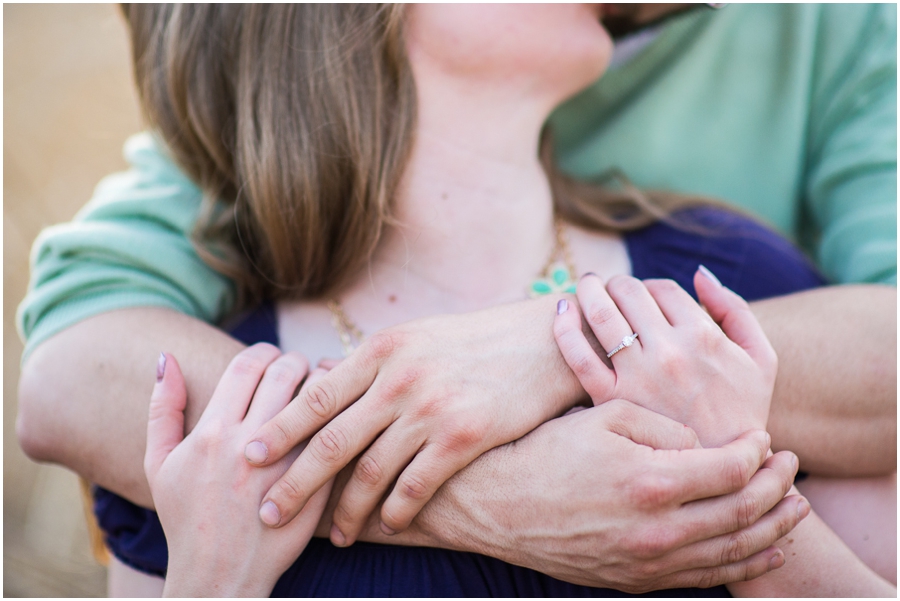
pixel 444 196
pixel 790 540
pixel 392 298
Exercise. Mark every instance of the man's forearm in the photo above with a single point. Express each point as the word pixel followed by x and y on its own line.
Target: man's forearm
pixel 835 401
pixel 84 393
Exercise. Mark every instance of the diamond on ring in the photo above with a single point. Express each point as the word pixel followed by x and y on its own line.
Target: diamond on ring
pixel 626 342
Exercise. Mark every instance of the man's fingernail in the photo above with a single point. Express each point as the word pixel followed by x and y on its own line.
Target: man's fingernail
pixel 269 514
pixel 562 306
pixel 337 537
pixel 589 273
pixel 803 508
pixel 777 561
pixel 768 440
pixel 386 530
pixel 795 463
pixel 160 367
pixel 256 452
pixel 709 275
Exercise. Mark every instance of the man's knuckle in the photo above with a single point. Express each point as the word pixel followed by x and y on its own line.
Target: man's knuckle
pixel 709 578
pixel 653 491
pixel 401 383
pixel 321 399
pixel 412 487
pixel 289 489
pixel 653 543
pixel 382 344
pixel 737 548
pixel 749 507
pixel 369 472
pixel 331 445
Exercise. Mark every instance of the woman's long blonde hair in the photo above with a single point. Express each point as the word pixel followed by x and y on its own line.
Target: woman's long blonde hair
pixel 297 121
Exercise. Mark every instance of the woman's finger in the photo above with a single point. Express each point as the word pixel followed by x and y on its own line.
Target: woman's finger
pixel 603 316
pixel 598 380
pixel 327 453
pixel 277 388
pixel 232 396
pixel 165 426
pixel 734 316
pixel 372 476
pixel 675 303
pixel 638 307
pixel 319 403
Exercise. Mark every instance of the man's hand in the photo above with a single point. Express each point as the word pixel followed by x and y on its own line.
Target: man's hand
pixel 433 394
pixel 618 496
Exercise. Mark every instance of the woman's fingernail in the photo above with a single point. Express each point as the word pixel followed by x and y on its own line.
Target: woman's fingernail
pixel 256 452
pixel 160 367
pixel 386 530
pixel 777 561
pixel 337 537
pixel 562 306
pixel 589 273
pixel 709 275
pixel 269 514
pixel 803 508
pixel 768 440
pixel 795 463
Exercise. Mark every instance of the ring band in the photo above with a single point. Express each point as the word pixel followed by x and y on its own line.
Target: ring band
pixel 626 342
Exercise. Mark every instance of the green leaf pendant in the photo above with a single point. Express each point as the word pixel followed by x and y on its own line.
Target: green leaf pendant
pixel 557 280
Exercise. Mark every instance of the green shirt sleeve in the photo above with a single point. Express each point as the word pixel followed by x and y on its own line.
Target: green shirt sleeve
pixel 128 247
pixel 851 183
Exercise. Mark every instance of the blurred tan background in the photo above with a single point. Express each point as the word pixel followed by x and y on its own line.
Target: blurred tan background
pixel 68 107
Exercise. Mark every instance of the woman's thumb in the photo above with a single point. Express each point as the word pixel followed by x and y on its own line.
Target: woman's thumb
pixel 165 426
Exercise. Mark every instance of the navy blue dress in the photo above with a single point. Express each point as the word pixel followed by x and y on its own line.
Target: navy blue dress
pixel 748 258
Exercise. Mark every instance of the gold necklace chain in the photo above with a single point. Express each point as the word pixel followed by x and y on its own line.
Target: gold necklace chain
pixel 555 277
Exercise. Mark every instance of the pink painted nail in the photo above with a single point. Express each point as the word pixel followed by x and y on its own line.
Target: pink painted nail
pixel 562 306
pixel 160 367
pixel 709 275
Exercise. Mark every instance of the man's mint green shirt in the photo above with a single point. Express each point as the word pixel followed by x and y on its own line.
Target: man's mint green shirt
pixel 788 111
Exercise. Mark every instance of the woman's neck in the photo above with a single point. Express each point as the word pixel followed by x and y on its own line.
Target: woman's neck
pixel 474 208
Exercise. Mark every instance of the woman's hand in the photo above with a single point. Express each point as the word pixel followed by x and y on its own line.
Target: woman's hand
pixel 718 380
pixel 206 494
pixel 434 394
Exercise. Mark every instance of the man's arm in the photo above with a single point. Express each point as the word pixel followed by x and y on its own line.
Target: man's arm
pixel 84 392
pixel 835 400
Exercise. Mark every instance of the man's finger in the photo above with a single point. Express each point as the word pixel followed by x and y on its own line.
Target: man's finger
pixel 327 453
pixel 753 567
pixel 165 426
pixel 372 476
pixel 314 407
pixel 704 473
pixel 648 428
